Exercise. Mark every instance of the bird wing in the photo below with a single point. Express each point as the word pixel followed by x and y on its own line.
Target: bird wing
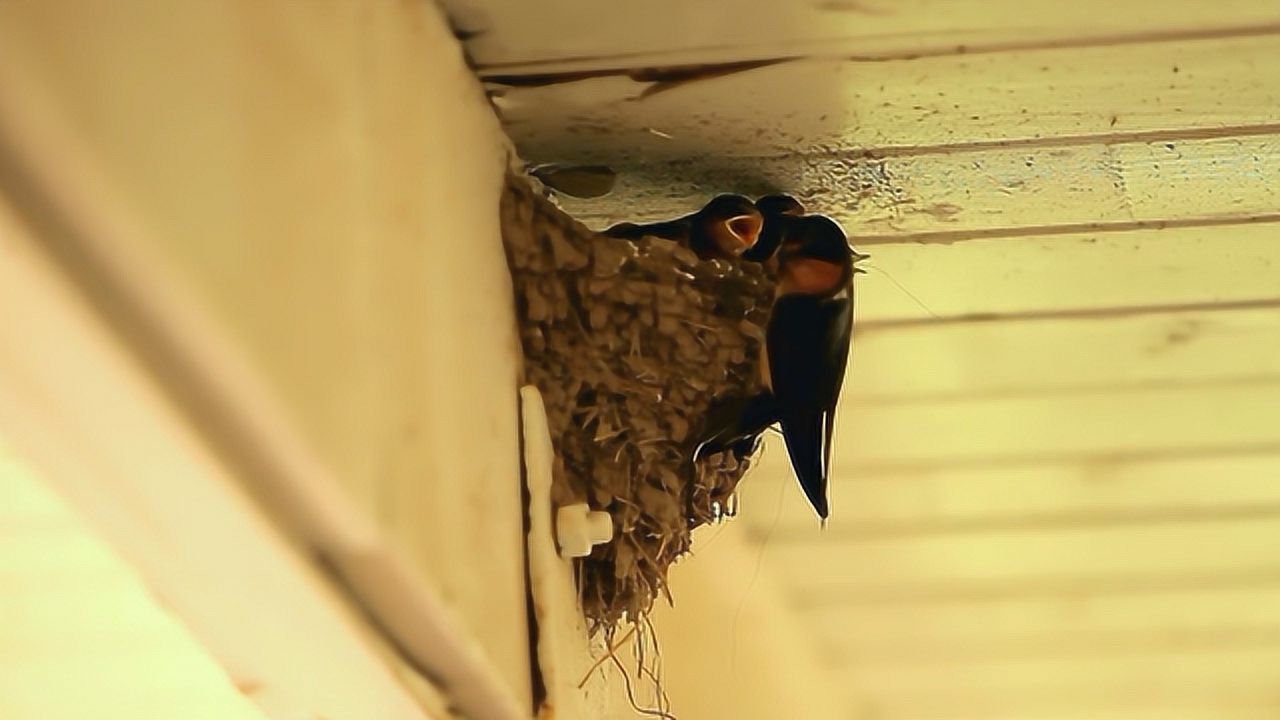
pixel 734 422
pixel 808 345
pixel 775 228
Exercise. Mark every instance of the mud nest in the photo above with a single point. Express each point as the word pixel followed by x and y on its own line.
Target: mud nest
pixel 630 342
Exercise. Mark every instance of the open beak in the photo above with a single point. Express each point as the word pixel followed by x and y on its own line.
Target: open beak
pixel 745 230
pixel 857 258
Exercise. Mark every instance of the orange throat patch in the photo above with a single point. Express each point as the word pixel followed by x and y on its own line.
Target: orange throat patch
pixel 807 276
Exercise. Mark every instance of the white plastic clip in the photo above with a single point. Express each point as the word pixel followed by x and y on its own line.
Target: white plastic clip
pixel 578 528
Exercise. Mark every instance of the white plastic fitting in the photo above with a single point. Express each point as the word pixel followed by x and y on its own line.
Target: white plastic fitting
pixel 578 528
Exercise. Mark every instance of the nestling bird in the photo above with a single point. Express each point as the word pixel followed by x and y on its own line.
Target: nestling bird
pixel 807 349
pixel 778 211
pixel 724 228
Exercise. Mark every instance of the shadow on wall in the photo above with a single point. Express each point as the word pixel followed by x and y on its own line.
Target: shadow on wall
pixel 679 132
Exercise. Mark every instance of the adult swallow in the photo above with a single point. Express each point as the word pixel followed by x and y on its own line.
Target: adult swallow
pixel 806 350
pixel 807 345
pixel 725 227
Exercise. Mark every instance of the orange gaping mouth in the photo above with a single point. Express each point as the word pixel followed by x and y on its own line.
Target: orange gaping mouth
pixel 743 231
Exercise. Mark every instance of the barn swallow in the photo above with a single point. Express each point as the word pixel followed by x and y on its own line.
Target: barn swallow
pixel 725 227
pixel 806 350
pixel 807 345
pixel 778 211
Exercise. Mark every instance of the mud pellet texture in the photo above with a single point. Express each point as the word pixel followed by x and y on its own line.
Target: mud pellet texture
pixel 629 343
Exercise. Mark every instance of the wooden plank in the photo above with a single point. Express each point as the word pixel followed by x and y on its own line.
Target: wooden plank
pixel 1080 645
pixel 900 107
pixel 1220 685
pixel 1121 355
pixel 1226 681
pixel 1101 451
pixel 762 141
pixel 1068 92
pixel 942 500
pixel 1027 427
pixel 1008 557
pixel 570 35
pixel 984 192
pixel 1022 201
pixel 1074 626
pixel 1087 272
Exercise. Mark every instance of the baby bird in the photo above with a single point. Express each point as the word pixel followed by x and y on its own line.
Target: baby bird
pixel 725 228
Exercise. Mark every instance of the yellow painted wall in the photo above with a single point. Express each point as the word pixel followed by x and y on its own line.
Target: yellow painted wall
pixel 323 179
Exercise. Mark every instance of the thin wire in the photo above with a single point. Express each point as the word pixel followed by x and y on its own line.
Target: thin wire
pixel 907 292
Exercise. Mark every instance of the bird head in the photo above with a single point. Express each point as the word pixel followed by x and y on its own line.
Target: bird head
pixel 779 205
pixel 778 211
pixel 815 257
pixel 732 222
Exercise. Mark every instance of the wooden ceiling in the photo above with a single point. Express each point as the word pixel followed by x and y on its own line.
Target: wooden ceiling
pixel 1057 488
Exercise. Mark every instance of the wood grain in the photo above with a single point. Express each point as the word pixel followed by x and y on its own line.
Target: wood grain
pixel 569 36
